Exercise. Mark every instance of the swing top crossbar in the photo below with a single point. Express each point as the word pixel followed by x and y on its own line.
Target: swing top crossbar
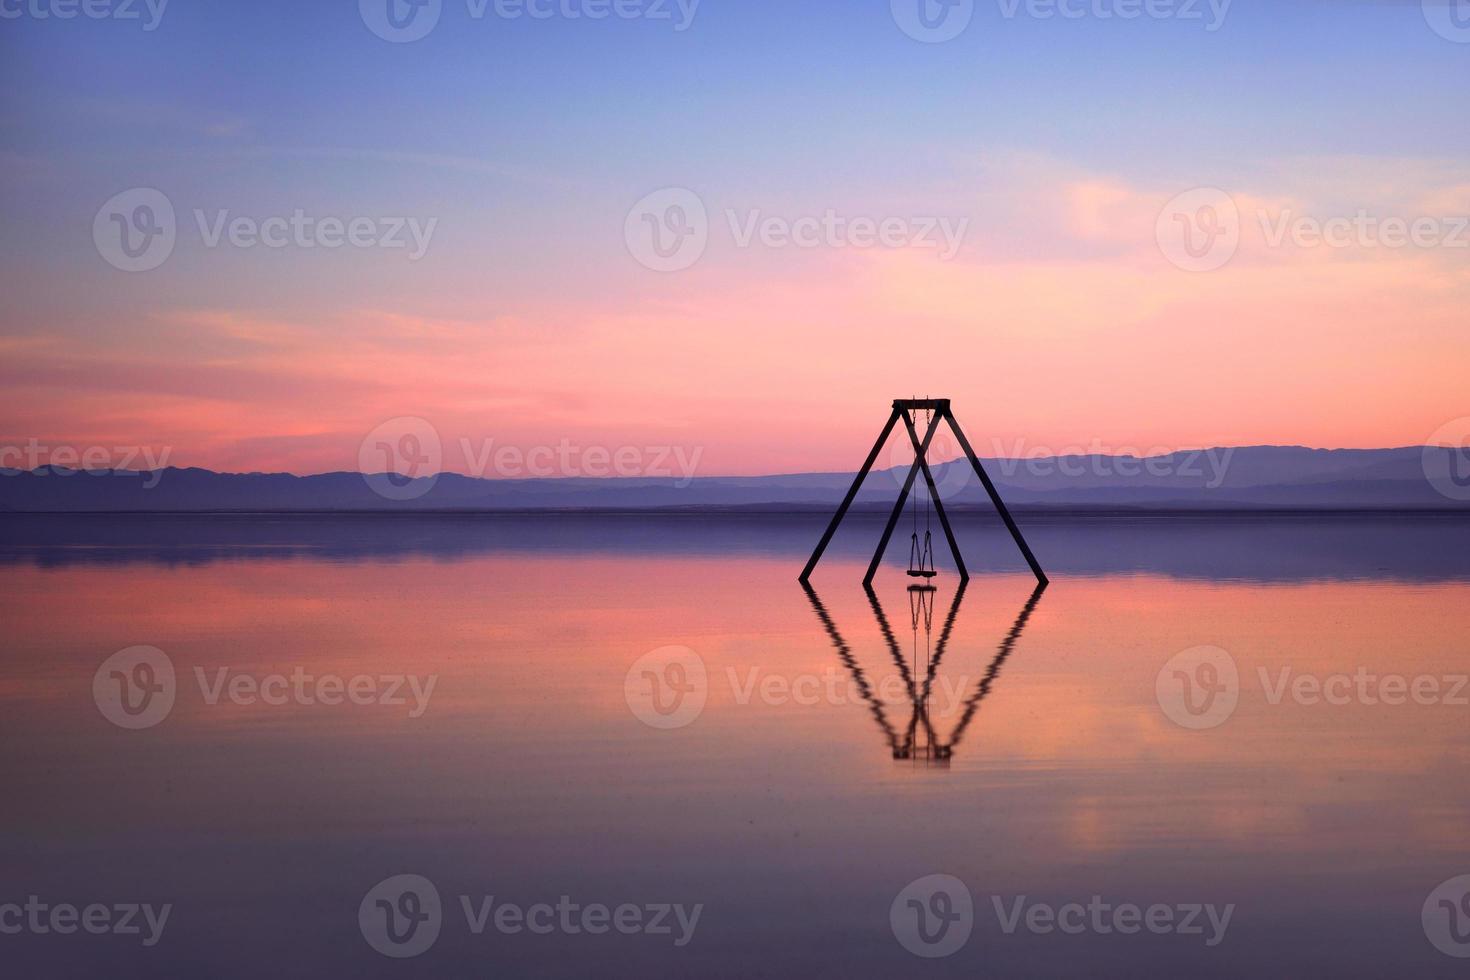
pixel 929 404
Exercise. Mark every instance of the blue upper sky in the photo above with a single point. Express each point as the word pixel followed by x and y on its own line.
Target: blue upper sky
pixel 529 140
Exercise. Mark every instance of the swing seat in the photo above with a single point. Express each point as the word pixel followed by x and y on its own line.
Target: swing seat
pixel 922 588
pixel 921 562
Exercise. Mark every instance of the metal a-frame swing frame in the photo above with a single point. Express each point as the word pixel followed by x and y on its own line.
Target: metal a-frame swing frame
pixel 902 407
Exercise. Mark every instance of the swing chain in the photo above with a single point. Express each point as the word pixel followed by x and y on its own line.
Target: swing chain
pixel 921 560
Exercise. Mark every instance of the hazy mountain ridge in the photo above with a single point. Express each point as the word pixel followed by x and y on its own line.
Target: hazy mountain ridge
pixel 1245 477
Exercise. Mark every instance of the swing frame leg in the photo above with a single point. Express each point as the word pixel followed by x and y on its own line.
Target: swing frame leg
pixel 851 496
pixel 903 495
pixel 1005 515
pixel 954 546
pixel 942 644
pixel 921 712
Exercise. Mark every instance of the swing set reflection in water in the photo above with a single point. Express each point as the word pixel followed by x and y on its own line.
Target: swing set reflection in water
pixel 919 740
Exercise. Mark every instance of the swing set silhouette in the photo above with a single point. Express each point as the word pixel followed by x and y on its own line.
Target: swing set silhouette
pixel 921 554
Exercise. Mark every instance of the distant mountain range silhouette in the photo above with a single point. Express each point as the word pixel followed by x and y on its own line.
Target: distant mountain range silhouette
pixel 1252 477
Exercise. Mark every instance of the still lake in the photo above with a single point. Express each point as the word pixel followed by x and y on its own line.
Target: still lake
pixel 621 745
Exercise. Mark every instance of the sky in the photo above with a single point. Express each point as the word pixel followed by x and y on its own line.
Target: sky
pixel 661 228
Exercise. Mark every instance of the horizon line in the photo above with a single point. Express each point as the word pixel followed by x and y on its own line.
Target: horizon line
pixel 71 471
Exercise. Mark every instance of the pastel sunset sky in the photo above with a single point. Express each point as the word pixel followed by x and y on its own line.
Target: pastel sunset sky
pixel 1062 321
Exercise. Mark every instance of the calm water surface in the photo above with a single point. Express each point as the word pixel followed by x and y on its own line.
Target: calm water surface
pixel 791 767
